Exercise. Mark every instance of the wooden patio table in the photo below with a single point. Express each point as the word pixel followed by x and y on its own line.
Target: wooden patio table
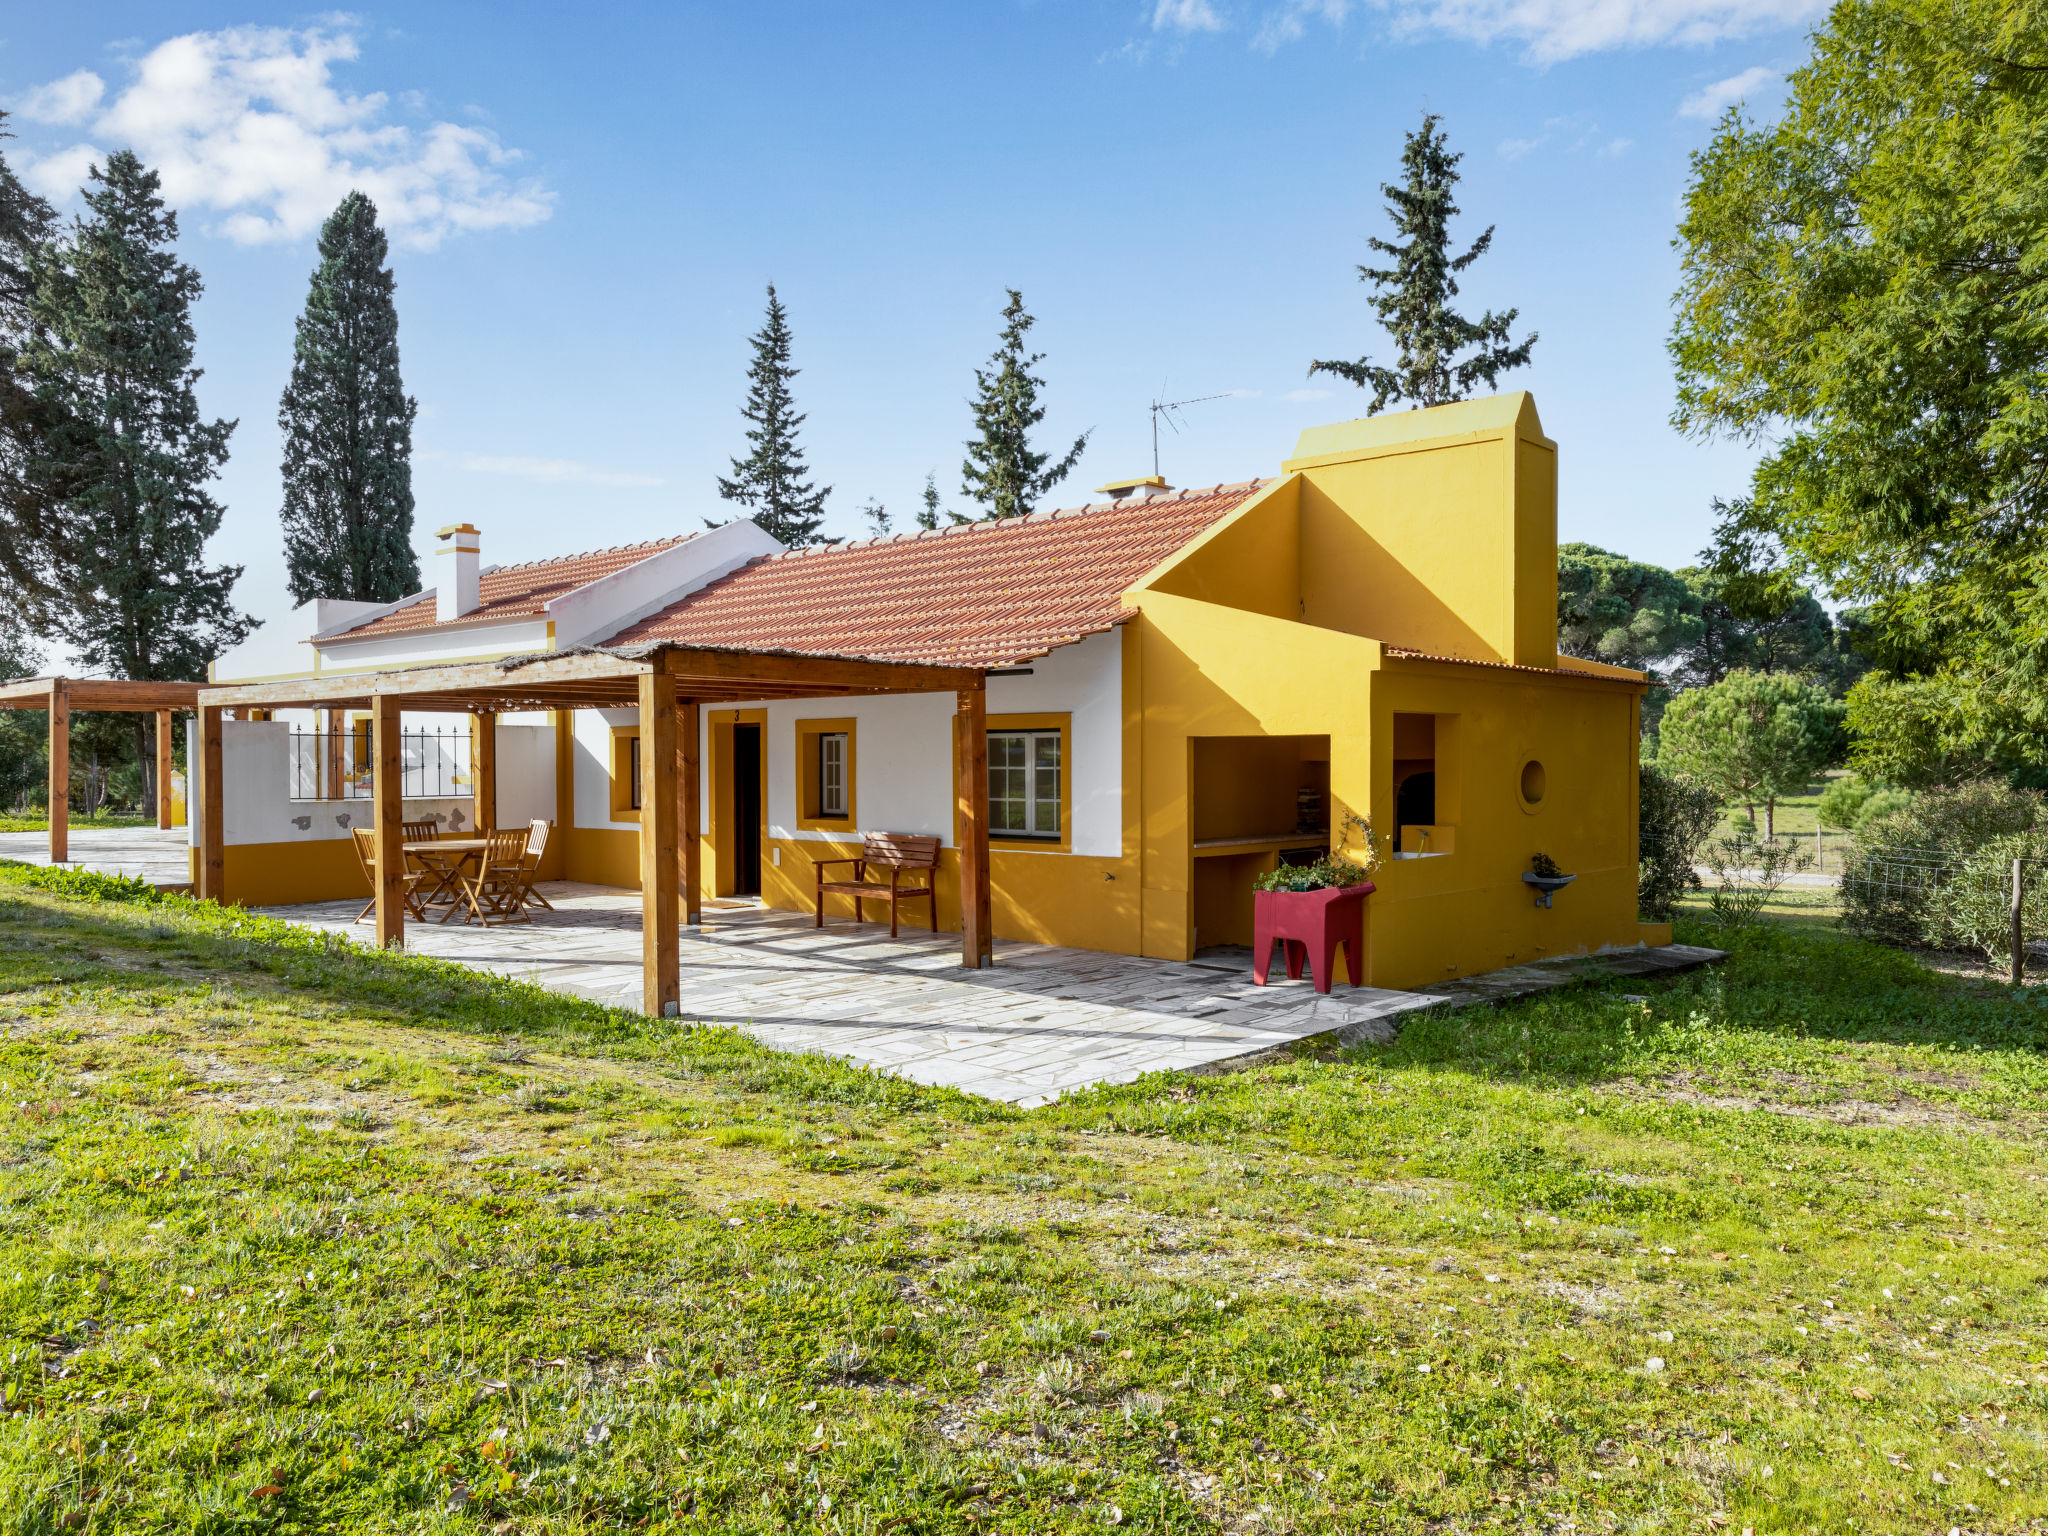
pixel 445 858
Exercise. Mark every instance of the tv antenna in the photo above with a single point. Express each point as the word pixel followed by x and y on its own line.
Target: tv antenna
pixel 1166 408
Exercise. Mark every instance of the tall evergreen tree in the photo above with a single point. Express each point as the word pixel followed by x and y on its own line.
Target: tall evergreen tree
pixel 347 425
pixel 131 456
pixel 771 480
pixel 1414 295
pixel 30 523
pixel 1001 471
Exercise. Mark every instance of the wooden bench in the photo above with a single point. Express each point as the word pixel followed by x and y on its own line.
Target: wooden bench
pixel 896 852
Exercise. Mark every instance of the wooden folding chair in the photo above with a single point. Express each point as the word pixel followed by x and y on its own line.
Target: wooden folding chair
pixel 366 855
pixel 421 831
pixel 529 865
pixel 494 894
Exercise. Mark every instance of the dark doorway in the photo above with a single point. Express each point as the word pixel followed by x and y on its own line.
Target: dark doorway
pixel 746 810
pixel 1415 805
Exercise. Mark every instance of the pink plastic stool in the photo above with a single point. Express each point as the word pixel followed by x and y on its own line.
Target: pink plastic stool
pixel 1301 919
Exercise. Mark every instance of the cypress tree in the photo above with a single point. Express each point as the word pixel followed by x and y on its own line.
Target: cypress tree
pixel 130 456
pixel 1414 295
pixel 347 421
pixel 31 534
pixel 770 481
pixel 1001 471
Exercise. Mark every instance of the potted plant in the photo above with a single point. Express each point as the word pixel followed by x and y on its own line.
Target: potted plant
pixel 1313 908
pixel 1548 879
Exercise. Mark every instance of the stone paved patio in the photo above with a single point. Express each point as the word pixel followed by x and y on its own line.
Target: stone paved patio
pixel 1041 1022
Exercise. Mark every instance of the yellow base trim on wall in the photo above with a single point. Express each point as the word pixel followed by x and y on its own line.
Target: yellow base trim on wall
pixel 286 874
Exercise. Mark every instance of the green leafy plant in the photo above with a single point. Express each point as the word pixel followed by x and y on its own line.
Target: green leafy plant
pixel 1748 870
pixel 1675 814
pixel 1341 867
pixel 1544 867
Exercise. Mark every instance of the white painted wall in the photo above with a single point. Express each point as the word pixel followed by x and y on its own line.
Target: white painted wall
pixel 526 774
pixel 443 643
pixel 903 755
pixel 594 766
pixel 256 803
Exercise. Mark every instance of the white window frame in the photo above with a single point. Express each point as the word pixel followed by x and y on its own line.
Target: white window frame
pixel 1035 804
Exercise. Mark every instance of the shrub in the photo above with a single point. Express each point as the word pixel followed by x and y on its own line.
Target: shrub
pixel 1972 907
pixel 1895 876
pixel 1748 871
pixel 1674 815
pixel 1842 802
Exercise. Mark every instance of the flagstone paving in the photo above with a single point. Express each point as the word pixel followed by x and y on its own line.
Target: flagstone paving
pixel 1040 1022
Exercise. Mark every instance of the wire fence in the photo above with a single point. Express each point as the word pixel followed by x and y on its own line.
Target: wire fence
pixel 341 765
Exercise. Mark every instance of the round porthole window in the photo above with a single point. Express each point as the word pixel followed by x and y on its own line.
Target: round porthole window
pixel 1533 783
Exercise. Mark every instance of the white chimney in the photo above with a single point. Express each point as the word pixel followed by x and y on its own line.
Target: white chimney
pixel 1142 489
pixel 455 590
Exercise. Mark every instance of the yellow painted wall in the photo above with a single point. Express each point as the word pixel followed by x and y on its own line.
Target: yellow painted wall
pixel 286 874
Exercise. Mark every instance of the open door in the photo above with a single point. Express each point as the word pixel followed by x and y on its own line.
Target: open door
pixel 746 810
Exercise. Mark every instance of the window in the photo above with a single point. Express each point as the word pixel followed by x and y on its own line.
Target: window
pixel 831 775
pixel 1024 783
pixel 826 766
pixel 625 773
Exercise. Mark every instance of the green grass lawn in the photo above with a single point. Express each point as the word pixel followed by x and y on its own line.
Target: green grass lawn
pixel 40 822
pixel 300 1237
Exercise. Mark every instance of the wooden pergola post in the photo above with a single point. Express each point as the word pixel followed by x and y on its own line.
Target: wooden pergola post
pixel 331 786
pixel 389 788
pixel 660 944
pixel 60 772
pixel 977 946
pixel 688 746
pixel 163 770
pixel 486 734
pixel 211 806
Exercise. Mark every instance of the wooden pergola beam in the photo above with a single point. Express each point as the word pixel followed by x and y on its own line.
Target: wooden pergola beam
pixel 977 944
pixel 108 693
pixel 486 769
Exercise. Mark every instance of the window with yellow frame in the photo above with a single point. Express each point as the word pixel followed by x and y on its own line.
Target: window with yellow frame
pixel 825 775
pixel 1030 799
pixel 625 773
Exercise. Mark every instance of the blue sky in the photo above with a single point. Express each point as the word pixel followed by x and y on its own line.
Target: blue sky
pixel 586 203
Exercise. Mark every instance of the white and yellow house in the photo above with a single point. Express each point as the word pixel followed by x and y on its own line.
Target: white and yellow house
pixel 1181 689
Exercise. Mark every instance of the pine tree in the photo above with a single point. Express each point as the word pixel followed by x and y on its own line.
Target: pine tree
pixel 1001 471
pixel 131 456
pixel 1414 297
pixel 876 516
pixel 770 481
pixel 928 513
pixel 347 425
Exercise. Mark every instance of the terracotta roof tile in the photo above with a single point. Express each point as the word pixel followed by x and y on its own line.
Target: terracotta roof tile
pixel 982 594
pixel 518 591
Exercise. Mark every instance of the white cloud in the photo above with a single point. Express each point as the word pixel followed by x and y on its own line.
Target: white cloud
pixel 552 471
pixel 248 124
pixel 1290 21
pixel 1518 149
pixel 1562 29
pixel 68 100
pixel 1717 98
pixel 1185 16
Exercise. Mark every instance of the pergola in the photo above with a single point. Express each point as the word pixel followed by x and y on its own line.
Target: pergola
pixel 60 696
pixel 667 684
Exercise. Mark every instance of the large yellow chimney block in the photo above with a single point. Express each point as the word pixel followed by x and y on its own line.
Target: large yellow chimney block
pixel 1434 529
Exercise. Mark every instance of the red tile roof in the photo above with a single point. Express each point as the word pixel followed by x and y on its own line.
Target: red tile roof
pixel 518 591
pixel 980 595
